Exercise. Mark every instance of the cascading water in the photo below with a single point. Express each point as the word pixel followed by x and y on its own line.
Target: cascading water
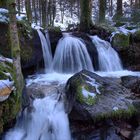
pixel 46 121
pixel 108 57
pixel 48 41
pixel 46 49
pixel 71 56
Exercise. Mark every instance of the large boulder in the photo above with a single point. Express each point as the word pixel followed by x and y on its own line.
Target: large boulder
pixel 91 97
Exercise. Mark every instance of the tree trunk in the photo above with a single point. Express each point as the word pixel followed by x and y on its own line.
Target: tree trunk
pixel 28 10
pixel 18 6
pixel 44 12
pixel 15 48
pixel 34 9
pixel 102 9
pixel 119 12
pixel 85 16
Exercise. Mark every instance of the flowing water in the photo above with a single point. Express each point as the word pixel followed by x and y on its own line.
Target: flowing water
pixel 46 49
pixel 46 120
pixel 108 57
pixel 71 56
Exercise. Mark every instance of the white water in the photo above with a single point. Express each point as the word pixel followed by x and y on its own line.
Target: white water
pixel 108 57
pixel 47 121
pixel 47 55
pixel 71 56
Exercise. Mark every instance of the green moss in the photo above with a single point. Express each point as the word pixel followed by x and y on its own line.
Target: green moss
pixel 121 40
pixel 118 114
pixel 24 28
pixel 118 24
pixel 54 29
pixel 106 27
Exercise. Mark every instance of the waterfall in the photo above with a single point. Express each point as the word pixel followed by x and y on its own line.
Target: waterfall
pixel 46 120
pixel 46 49
pixel 108 57
pixel 71 55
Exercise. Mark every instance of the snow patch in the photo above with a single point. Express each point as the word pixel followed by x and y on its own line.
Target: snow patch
pixel 6 83
pixel 93 83
pixel 86 93
pixel 4 59
pixel 21 17
pixel 3 98
pixel 115 108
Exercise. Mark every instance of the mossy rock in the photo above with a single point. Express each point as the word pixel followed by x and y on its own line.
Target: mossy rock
pixel 109 100
pixel 121 41
pixel 10 107
pixel 118 24
pixel 54 29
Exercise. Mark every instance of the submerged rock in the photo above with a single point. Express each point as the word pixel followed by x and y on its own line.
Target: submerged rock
pixel 91 97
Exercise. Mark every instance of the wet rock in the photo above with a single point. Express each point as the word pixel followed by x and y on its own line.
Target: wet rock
pixel 132 83
pixel 137 134
pixel 136 36
pixel 91 97
pixel 54 34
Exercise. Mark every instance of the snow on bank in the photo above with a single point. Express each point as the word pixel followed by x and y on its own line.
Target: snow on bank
pixel 122 30
pixel 4 59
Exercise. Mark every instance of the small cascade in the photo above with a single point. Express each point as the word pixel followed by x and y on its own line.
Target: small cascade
pixel 48 41
pixel 108 57
pixel 71 55
pixel 46 120
pixel 46 49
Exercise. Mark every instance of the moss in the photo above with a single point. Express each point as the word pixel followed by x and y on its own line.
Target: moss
pixel 121 40
pixel 54 29
pixel 106 27
pixel 118 24
pixel 118 114
pixel 24 28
